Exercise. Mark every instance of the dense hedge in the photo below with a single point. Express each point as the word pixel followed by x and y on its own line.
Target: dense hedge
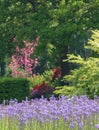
pixel 11 88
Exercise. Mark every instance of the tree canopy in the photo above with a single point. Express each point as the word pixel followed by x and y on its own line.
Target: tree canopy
pixel 61 25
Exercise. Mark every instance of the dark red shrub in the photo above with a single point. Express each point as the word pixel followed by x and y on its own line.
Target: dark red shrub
pixel 57 73
pixel 41 89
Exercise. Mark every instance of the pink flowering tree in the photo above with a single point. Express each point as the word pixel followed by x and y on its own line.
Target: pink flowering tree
pixel 22 64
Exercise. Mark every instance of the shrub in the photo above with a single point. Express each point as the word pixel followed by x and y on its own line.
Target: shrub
pixel 65 90
pixel 22 65
pixel 56 74
pixel 11 88
pixel 44 84
pixel 42 89
pixel 86 77
pixel 36 80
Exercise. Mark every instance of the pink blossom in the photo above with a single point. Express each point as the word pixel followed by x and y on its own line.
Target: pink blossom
pixel 22 64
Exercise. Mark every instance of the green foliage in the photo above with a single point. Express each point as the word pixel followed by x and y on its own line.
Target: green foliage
pixel 36 80
pixel 11 88
pixel 48 74
pixel 43 84
pixel 94 42
pixel 47 77
pixel 65 90
pixel 59 23
pixel 86 76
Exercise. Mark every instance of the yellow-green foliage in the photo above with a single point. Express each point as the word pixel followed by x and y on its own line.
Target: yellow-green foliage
pixel 48 76
pixel 38 79
pixel 93 43
pixel 65 90
pixel 86 77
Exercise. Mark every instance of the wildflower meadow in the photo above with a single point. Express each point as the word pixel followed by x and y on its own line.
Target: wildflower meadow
pixel 76 113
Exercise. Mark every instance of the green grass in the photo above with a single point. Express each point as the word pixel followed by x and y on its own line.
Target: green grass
pixel 13 124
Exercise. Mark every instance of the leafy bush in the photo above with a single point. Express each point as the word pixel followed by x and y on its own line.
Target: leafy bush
pixel 44 84
pixel 11 88
pixel 86 77
pixel 22 65
pixel 42 89
pixel 36 80
pixel 65 90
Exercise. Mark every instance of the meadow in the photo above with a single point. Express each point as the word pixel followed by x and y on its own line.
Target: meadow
pixel 76 113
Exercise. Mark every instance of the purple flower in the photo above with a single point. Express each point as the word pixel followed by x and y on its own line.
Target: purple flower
pixel 97 126
pixel 81 124
pixel 72 125
pixel 75 111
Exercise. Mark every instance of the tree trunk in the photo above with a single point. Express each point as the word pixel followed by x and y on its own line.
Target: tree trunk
pixel 64 65
pixel 2 69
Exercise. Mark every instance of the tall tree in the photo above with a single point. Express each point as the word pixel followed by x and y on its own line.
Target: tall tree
pixel 60 24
